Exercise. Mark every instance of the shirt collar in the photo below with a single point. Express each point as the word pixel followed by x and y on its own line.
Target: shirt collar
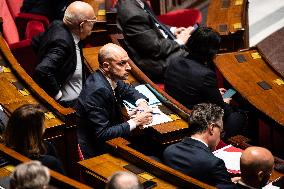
pixel 76 38
pixel 141 3
pixel 199 140
pixel 112 83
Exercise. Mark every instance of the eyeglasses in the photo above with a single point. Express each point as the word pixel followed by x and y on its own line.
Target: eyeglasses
pixel 92 21
pixel 222 132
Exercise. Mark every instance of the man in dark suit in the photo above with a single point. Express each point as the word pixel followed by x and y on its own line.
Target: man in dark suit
pixel 193 155
pixel 150 43
pixel 98 108
pixel 192 80
pixel 60 71
pixel 52 9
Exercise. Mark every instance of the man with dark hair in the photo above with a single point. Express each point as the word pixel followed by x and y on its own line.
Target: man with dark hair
pixel 193 155
pixel 192 80
pixel 99 104
pixel 150 43
pixel 256 167
pixel 123 180
pixel 60 68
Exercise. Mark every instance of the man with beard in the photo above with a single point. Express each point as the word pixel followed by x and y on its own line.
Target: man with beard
pixel 98 107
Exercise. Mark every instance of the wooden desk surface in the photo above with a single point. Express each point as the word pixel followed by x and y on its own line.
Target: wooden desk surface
pixel 244 78
pixel 105 165
pixel 226 12
pixel 230 19
pixel 163 133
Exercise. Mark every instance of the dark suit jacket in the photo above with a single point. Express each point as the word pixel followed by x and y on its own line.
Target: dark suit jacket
pixel 191 82
pixel 57 56
pixel 195 159
pixel 147 46
pixel 52 9
pixel 99 115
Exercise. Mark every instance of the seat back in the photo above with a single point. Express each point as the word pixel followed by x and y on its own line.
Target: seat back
pixel 25 55
pixel 10 31
pixel 14 7
pixel 181 18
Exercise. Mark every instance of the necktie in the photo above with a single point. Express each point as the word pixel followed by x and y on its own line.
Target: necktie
pixel 162 26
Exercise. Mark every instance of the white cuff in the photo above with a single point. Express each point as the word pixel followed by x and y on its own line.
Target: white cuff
pixel 179 42
pixel 58 96
pixel 140 100
pixel 132 124
pixel 173 30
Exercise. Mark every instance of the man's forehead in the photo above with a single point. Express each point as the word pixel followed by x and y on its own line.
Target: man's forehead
pixel 120 54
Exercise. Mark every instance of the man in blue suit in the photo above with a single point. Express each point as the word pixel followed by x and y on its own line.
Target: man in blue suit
pixel 98 107
pixel 193 155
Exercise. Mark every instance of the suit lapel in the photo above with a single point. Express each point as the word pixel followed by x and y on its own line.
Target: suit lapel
pixel 115 104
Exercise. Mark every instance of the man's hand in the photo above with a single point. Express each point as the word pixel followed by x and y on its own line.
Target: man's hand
pixel 143 117
pixel 222 91
pixel 227 100
pixel 179 30
pixel 184 34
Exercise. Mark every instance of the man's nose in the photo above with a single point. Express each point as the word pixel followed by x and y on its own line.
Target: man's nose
pixel 128 66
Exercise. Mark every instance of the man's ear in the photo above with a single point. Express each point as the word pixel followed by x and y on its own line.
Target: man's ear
pixel 81 27
pixel 260 176
pixel 211 128
pixel 105 66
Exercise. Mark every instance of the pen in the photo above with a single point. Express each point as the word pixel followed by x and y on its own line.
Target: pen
pixel 153 113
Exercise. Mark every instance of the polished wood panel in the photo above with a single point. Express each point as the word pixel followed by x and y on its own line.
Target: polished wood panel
pixel 269 104
pixel 60 126
pixel 105 165
pixel 57 179
pixel 244 78
pixel 230 19
pixel 101 167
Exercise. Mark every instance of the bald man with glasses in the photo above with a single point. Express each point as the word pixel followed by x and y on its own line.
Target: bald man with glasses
pixel 60 71
pixel 193 155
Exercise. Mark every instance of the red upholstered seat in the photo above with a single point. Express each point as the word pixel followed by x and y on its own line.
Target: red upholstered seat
pixel 181 18
pixel 177 18
pixel 161 86
pixel 25 55
pixel 18 29
pixel 10 31
pixel 14 6
pixel 34 28
pixel 22 19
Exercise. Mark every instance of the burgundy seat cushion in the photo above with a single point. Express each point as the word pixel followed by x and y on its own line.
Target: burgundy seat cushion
pixel 181 18
pixel 10 31
pixel 33 28
pixel 25 55
pixel 14 6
